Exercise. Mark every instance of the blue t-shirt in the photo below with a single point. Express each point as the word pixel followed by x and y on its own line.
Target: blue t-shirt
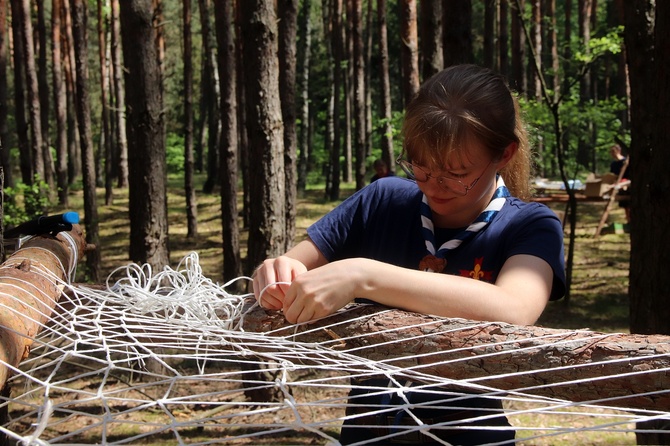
pixel 382 221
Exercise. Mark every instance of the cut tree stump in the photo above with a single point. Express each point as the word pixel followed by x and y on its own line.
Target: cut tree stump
pixel 31 282
pixel 620 370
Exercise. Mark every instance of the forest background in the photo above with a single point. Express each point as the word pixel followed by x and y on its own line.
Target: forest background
pixel 268 100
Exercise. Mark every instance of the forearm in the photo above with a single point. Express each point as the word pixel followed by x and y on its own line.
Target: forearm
pixel 447 295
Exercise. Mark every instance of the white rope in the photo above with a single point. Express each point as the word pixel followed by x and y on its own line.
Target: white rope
pixel 164 353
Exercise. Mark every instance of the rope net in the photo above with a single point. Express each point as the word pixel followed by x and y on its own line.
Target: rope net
pixel 165 358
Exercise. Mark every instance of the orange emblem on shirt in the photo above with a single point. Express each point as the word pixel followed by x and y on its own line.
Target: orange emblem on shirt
pixel 477 273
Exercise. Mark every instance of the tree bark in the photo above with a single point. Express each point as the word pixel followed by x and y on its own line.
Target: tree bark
pixel 28 44
pixel 79 33
pixel 4 112
pixel 288 24
pixel 211 98
pixel 267 233
pixel 306 49
pixel 23 311
pixel 105 148
pixel 431 38
pixel 359 92
pixel 60 104
pixel 43 94
pixel 388 154
pixel 232 265
pixel 189 165
pixel 20 98
pixel 146 137
pixel 457 32
pixel 337 46
pixel 410 49
pixel 581 366
pixel 121 149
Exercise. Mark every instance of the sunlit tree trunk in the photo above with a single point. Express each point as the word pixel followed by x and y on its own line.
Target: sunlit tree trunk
pixel 74 151
pixel 121 149
pixel 267 231
pixel 28 44
pixel 232 265
pixel 359 93
pixel 410 49
pixel 288 25
pixel 60 103
pixel 146 136
pixel 43 94
pixel 212 97
pixel 337 48
pixel 189 187
pixel 306 48
pixel 387 128
pixel 105 147
pixel 80 35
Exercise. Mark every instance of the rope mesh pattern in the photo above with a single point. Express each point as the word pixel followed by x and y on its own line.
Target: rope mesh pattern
pixel 164 357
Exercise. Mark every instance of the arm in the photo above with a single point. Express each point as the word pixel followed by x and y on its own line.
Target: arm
pixel 518 296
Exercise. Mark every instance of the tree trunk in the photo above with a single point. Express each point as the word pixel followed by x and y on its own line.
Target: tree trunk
pixel 410 50
pixel 306 49
pixel 490 34
pixel 431 38
pixel 28 44
pixel 518 79
pixel 267 233
pixel 213 97
pixel 457 32
pixel 359 92
pixel 106 134
pixel 387 128
pixel 119 98
pixel 146 137
pixel 189 167
pixel 288 24
pixel 60 104
pixel 43 94
pixel 20 98
pixel 79 34
pixel 4 112
pixel 646 43
pixel 232 265
pixel 337 49
pixel 503 40
pixel 74 152
pixel 582 366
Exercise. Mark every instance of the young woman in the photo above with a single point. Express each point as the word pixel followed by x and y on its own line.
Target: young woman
pixel 455 239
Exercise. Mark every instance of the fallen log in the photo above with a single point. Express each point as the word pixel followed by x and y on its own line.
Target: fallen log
pixel 620 370
pixel 31 282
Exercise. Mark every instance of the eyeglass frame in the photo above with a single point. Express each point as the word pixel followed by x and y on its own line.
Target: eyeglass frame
pixel 440 178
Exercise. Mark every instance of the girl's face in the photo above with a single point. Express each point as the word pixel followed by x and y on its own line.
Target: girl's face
pixel 476 171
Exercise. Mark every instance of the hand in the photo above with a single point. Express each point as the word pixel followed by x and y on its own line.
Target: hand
pixel 273 278
pixel 321 291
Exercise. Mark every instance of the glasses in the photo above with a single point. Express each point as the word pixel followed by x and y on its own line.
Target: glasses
pixel 420 175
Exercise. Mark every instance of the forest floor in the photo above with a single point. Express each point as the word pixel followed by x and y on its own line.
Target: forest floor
pixel 598 299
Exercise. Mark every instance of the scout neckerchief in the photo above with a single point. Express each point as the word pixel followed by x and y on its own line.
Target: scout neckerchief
pixel 435 261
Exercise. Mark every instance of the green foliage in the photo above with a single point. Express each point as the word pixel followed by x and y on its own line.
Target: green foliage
pixel 174 151
pixel 24 202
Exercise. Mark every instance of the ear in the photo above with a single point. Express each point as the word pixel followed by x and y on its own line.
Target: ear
pixel 507 154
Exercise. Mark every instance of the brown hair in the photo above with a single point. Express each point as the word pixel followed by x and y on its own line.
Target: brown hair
pixel 461 103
